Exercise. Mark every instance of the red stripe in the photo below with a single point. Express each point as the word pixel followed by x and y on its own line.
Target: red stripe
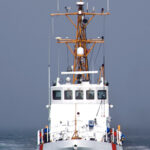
pixel 113 146
pixel 41 147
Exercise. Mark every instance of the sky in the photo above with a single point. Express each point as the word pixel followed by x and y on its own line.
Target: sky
pixel 24 43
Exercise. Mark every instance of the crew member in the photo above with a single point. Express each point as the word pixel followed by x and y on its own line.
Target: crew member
pixel 46 134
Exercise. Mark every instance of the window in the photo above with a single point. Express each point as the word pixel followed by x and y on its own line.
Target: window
pixel 90 94
pixel 68 94
pixel 91 124
pixel 79 94
pixel 101 94
pixel 57 95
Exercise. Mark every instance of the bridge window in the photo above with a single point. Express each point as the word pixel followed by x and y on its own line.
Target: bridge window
pixel 101 94
pixel 68 94
pixel 90 94
pixel 79 94
pixel 57 95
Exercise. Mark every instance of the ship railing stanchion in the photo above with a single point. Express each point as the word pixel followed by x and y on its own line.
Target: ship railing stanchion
pixel 113 135
pixel 38 137
pixel 106 137
pixel 117 132
pixel 47 135
pixel 120 142
pixel 117 136
pixel 42 136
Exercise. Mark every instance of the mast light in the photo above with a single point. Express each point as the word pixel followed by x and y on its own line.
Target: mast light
pixel 58 38
pixel 80 51
pixel 68 79
pixel 80 3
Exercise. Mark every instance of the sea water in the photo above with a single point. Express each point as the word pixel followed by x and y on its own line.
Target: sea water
pixel 18 140
pixel 26 140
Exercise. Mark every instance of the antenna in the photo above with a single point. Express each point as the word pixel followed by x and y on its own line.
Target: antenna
pixel 52 25
pixel 49 79
pixel 58 67
pixel 57 5
pixel 67 8
pixel 87 7
pixel 107 5
pixel 49 45
pixel 93 9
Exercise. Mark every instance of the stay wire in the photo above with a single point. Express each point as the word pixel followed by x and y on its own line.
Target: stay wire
pixel 91 57
pixel 103 54
pixel 104 51
pixel 97 53
pixel 67 57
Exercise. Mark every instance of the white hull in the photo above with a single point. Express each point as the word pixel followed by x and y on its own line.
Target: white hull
pixel 79 145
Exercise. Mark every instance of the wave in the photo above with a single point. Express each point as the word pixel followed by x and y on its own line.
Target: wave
pixel 14 146
pixel 137 148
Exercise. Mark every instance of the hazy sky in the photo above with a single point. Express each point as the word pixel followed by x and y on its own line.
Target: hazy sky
pixel 24 31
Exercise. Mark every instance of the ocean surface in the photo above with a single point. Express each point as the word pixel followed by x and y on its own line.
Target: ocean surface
pixel 26 140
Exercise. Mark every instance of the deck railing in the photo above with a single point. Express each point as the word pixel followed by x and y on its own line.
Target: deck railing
pixel 43 136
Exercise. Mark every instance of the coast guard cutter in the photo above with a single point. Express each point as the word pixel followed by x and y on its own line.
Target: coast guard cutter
pixel 79 117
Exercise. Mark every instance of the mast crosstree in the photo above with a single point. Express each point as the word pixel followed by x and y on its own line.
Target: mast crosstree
pixel 80 51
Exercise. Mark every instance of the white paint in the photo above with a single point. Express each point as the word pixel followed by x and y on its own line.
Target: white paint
pixel 63 113
pixel 79 72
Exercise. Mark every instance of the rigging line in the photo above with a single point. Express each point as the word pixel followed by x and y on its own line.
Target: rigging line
pixel 107 47
pixel 52 25
pixel 103 26
pixel 91 57
pixel 103 53
pixel 49 63
pixel 49 74
pixel 49 44
pixel 67 58
pixel 58 63
pixel 99 108
pixel 104 61
pixel 103 49
pixel 102 105
pixel 92 69
pixel 97 53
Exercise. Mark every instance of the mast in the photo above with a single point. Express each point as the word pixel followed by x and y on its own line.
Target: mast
pixel 80 51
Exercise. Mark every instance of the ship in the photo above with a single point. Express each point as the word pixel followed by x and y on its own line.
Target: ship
pixel 79 110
